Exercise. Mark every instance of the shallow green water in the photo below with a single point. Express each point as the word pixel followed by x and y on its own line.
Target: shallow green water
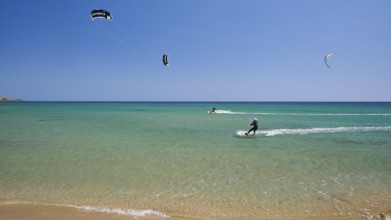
pixel 136 155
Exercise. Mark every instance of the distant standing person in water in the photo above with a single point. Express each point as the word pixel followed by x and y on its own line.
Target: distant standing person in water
pixel 254 123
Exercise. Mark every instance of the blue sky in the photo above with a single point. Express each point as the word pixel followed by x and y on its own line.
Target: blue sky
pixel 220 50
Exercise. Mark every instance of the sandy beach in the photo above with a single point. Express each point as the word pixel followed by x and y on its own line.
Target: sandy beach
pixel 24 211
pixel 34 212
pixel 30 211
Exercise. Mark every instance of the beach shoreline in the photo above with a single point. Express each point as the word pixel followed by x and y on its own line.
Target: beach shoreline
pixel 33 211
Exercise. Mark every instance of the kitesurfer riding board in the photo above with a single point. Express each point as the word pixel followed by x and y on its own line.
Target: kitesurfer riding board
pixel 254 123
pixel 252 132
pixel 212 111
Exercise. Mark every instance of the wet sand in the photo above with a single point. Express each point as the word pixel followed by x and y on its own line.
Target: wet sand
pixel 30 211
pixel 26 211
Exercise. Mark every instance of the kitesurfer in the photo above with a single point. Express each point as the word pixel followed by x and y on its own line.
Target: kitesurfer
pixel 213 110
pixel 254 123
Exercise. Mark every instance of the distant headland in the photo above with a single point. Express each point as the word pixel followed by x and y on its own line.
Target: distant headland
pixel 8 99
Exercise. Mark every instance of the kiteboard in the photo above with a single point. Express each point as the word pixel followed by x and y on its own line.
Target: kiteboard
pixel 210 112
pixel 243 134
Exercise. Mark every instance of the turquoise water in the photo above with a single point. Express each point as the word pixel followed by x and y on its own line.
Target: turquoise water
pixel 174 158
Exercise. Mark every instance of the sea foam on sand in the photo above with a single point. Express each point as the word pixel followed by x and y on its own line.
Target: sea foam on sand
pixel 129 212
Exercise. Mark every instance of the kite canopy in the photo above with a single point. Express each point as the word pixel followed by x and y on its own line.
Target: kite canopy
pixel 165 60
pixel 100 13
pixel 327 56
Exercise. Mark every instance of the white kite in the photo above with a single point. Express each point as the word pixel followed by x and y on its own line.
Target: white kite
pixel 327 56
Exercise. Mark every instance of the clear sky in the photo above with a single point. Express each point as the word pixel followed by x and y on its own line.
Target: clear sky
pixel 220 50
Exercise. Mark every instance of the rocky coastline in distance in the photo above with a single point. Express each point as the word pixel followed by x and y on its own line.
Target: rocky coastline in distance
pixel 8 99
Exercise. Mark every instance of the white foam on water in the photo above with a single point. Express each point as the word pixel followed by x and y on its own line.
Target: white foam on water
pixel 304 131
pixel 300 114
pixel 229 112
pixel 119 211
pixel 241 133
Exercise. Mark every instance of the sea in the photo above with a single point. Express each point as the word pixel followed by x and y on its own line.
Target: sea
pixel 308 160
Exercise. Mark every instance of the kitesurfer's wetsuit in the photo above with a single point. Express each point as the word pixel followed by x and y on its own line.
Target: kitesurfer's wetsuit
pixel 254 123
